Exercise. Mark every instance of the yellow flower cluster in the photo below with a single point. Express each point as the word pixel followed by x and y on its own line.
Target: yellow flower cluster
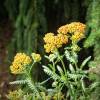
pixel 77 30
pixel 49 37
pixel 15 95
pixel 76 27
pixel 77 36
pixel 72 27
pixel 54 41
pixel 36 57
pixel 63 29
pixel 18 65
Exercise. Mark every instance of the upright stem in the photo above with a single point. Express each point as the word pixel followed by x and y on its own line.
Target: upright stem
pixel 75 62
pixel 31 67
pixel 76 66
pixel 62 63
pixel 53 66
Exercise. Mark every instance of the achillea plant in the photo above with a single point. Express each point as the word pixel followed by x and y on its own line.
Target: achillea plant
pixel 72 76
pixel 66 77
pixel 23 64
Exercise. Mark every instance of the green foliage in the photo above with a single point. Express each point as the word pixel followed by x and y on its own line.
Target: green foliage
pixel 28 20
pixel 28 81
pixel 19 82
pixel 93 24
pixel 68 80
pixel 72 78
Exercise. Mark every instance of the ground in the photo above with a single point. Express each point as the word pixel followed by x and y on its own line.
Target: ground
pixel 5 36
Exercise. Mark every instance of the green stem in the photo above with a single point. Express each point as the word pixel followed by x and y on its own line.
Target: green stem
pixel 53 66
pixel 59 88
pixel 31 67
pixel 45 81
pixel 75 62
pixel 62 63
pixel 76 66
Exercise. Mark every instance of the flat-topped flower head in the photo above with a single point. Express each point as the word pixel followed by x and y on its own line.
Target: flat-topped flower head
pixel 36 57
pixel 76 27
pixel 18 65
pixel 54 41
pixel 73 31
pixel 63 29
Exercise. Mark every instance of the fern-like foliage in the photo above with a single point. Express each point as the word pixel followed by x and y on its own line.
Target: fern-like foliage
pixel 32 86
pixel 50 73
pixel 28 82
pixel 21 82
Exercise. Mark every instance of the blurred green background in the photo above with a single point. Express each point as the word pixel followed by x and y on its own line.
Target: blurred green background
pixel 23 24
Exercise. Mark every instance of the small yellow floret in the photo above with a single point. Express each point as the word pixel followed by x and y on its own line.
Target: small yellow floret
pixel 15 95
pixel 49 47
pixel 36 57
pixel 49 37
pixel 63 39
pixel 77 36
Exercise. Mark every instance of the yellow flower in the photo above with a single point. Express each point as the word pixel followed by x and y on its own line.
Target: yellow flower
pixel 16 68
pixel 18 65
pixel 53 42
pixel 49 37
pixel 72 27
pixel 49 47
pixel 62 39
pixel 63 29
pixel 15 95
pixel 36 57
pixel 76 27
pixel 77 36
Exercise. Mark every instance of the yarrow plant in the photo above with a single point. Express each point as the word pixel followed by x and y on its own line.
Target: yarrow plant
pixel 63 68
pixel 70 76
pixel 23 65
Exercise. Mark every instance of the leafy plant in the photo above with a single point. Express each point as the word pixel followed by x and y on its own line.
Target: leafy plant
pixel 70 76
pixel 67 74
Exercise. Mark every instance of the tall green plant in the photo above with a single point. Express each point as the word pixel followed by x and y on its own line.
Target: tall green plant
pixel 68 80
pixel 28 19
